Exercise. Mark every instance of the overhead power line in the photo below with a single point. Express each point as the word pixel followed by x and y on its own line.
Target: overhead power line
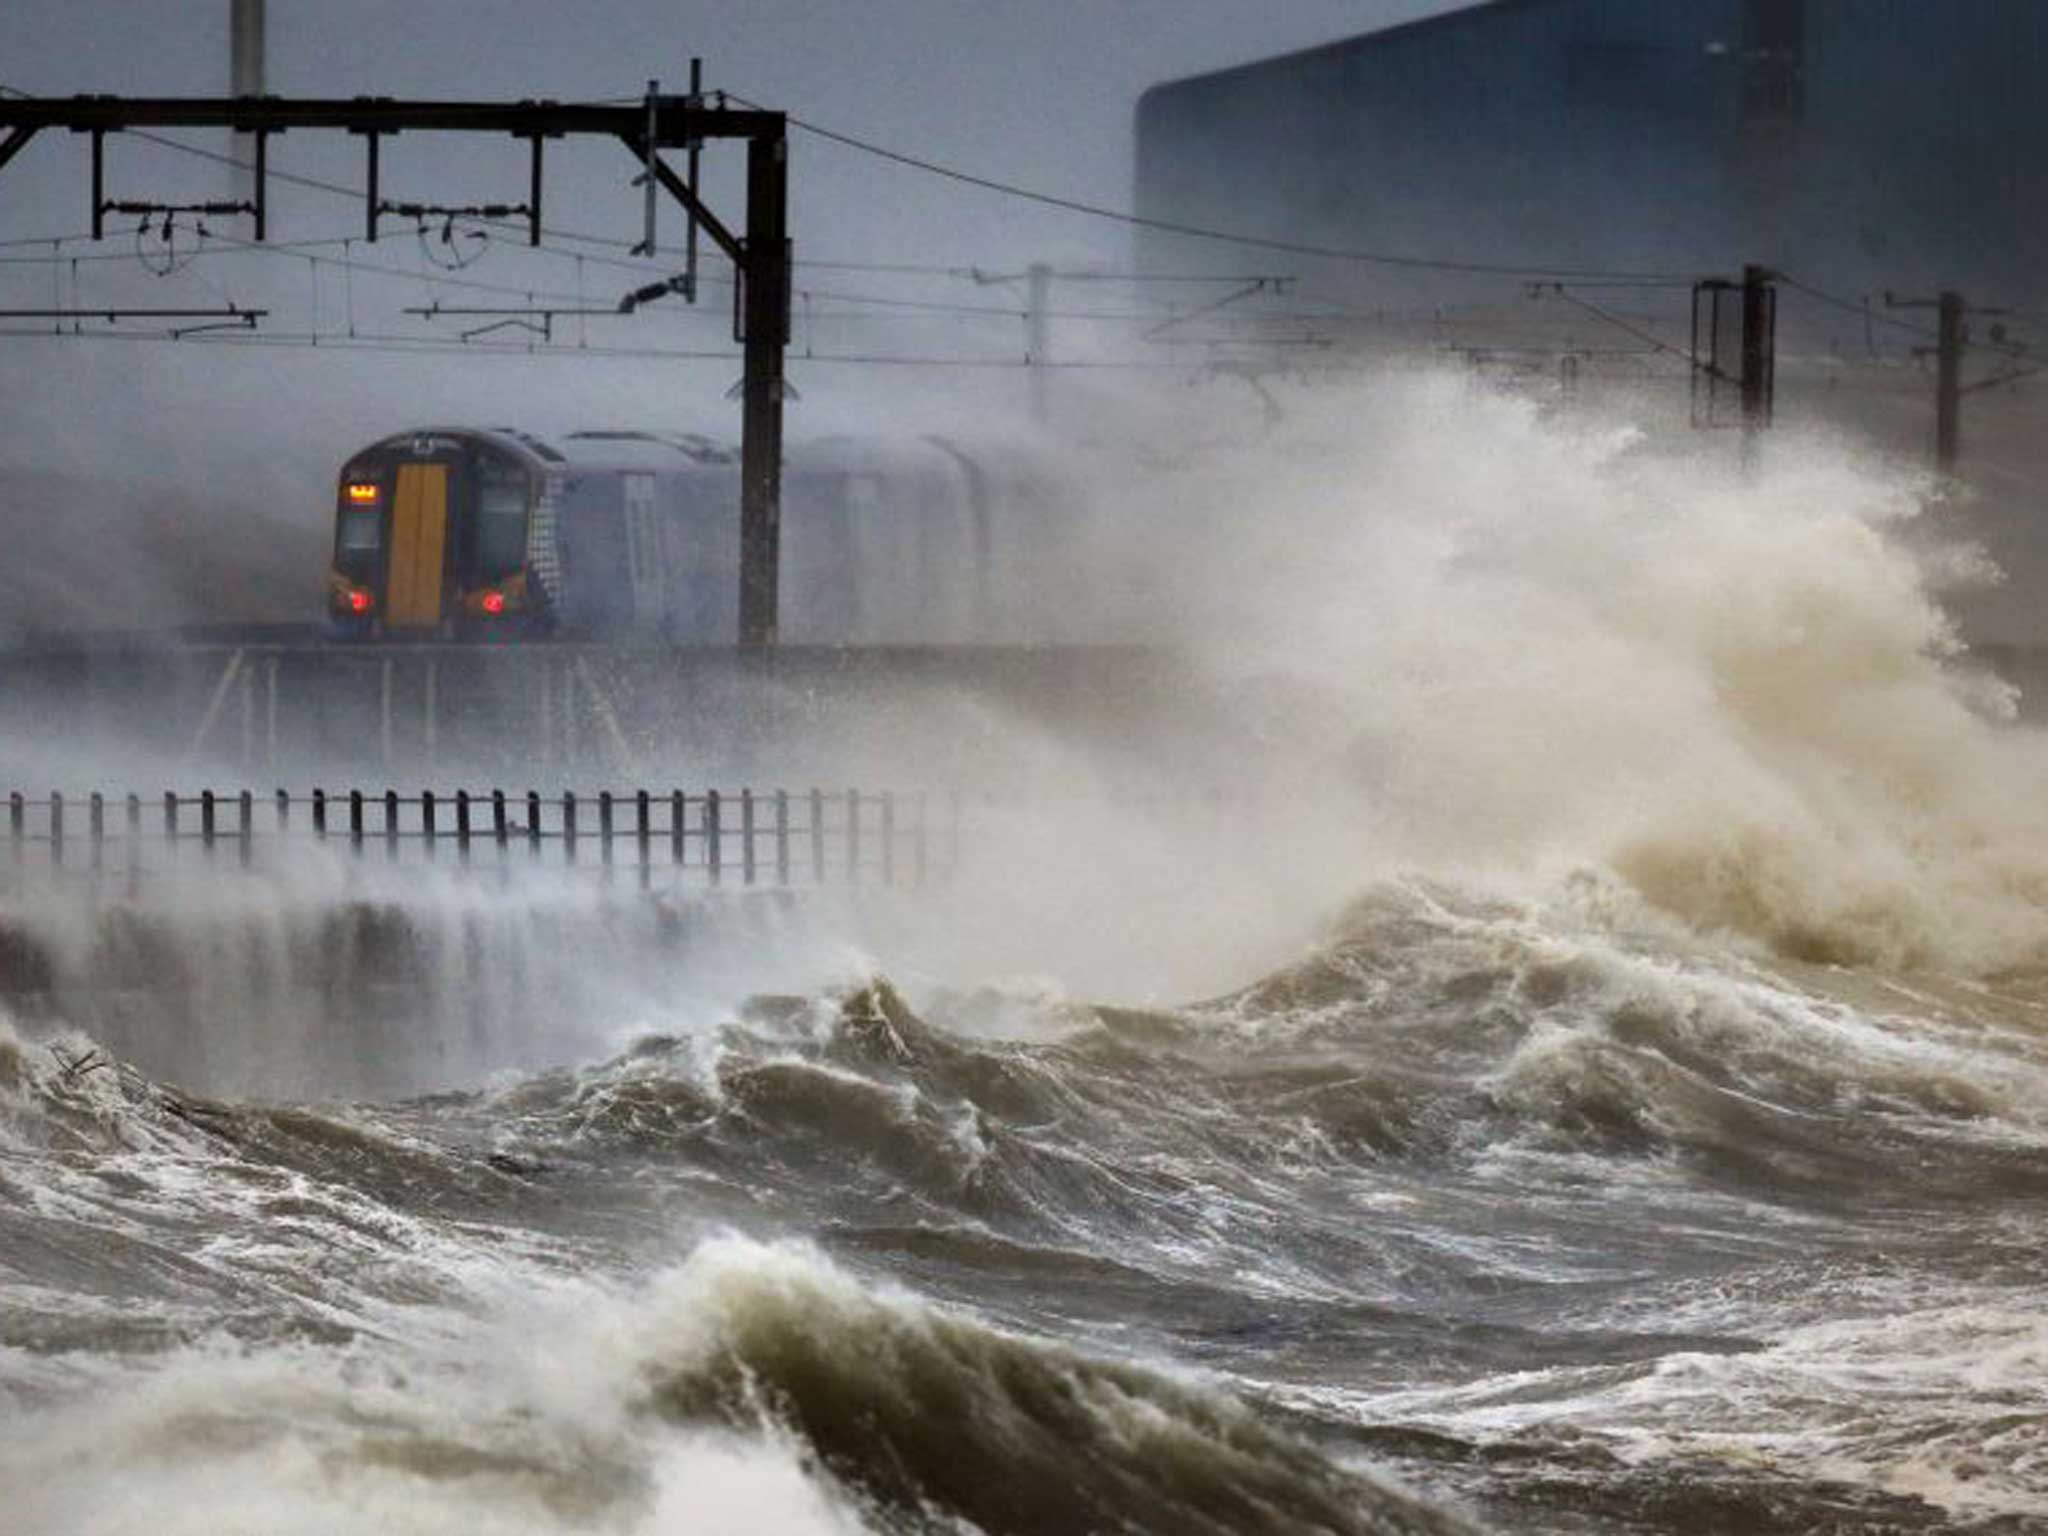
pixel 1880 316
pixel 1629 328
pixel 619 244
pixel 387 342
pixel 1203 232
pixel 337 253
pixel 1401 260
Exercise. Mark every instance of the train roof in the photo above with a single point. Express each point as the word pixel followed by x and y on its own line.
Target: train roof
pixel 611 448
pixel 600 449
pixel 631 449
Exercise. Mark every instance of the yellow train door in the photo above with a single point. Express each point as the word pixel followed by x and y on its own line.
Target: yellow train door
pixel 419 539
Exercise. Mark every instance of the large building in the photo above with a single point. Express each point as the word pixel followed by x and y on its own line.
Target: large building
pixel 1862 145
pixel 1858 147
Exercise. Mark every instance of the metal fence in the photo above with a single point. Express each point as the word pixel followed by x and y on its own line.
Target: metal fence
pixel 745 837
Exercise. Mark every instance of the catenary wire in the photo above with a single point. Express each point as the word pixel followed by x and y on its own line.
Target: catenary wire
pixel 630 263
pixel 1203 232
pixel 1381 258
pixel 375 342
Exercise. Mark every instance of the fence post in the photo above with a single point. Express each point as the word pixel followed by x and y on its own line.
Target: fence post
pixel 320 815
pixel 391 825
pixel 678 825
pixel 533 822
pixel 500 831
pixel 134 841
pixel 568 826
pixel 817 837
pixel 355 820
pixel 96 822
pixel 462 824
pixel 247 826
pixel 711 848
pixel 56 827
pixel 284 811
pixel 604 826
pixel 853 837
pixel 427 820
pixel 206 821
pixel 782 837
pixel 15 817
pixel 171 820
pixel 888 837
pixel 747 835
pixel 642 809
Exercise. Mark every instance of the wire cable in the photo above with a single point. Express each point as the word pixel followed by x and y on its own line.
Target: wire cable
pixel 1886 317
pixel 375 342
pixel 1203 232
pixel 1654 342
pixel 1398 260
pixel 639 264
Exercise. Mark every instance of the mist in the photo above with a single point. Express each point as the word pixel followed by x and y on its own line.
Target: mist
pixel 1407 627
pixel 1346 903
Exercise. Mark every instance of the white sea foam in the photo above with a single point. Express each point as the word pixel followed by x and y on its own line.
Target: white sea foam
pixel 593 1406
pixel 1946 1402
pixel 1524 648
pixel 526 1424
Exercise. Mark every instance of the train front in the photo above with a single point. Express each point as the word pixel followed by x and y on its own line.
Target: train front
pixel 432 534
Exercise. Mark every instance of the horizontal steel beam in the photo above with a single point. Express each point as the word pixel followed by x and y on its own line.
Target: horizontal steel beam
pixel 676 120
pixel 123 312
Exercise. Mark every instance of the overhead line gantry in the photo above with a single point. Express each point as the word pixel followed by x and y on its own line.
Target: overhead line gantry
pixel 760 256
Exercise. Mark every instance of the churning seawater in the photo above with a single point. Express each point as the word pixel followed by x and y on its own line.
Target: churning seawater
pixel 1652 1135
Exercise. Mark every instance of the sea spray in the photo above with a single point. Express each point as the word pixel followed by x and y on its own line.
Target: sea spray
pixel 750 1382
pixel 1475 640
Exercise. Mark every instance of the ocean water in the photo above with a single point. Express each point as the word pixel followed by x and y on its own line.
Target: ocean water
pixel 1608 1094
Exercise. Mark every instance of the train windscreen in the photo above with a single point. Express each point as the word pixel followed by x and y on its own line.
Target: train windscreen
pixel 501 510
pixel 361 529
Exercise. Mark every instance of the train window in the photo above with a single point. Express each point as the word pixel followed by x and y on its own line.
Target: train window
pixel 360 528
pixel 644 554
pixel 500 520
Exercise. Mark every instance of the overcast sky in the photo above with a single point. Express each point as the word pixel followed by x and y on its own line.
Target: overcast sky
pixel 1040 92
pixel 1036 91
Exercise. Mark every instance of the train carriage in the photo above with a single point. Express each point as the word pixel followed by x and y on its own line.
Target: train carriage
pixel 450 532
pixel 457 531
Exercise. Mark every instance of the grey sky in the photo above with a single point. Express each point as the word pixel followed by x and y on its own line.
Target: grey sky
pixel 1037 92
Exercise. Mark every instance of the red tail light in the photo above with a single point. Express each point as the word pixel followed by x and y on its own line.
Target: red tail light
pixel 359 601
pixel 494 603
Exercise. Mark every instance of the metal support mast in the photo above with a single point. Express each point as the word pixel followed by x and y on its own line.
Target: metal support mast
pixel 765 323
pixel 1951 338
pixel 1038 340
pixel 646 127
pixel 1759 322
pixel 1948 385
pixel 245 77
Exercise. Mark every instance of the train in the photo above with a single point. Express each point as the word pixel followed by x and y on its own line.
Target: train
pixel 497 533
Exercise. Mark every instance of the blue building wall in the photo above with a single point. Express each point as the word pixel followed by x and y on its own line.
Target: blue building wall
pixel 1859 144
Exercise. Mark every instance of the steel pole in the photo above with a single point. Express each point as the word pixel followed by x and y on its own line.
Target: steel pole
pixel 1948 397
pixel 765 319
